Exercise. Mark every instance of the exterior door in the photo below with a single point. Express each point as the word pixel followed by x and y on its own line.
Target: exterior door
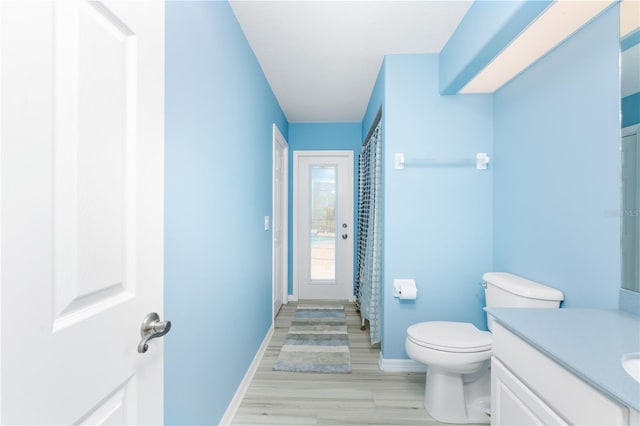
pixel 280 221
pixel 323 224
pixel 81 210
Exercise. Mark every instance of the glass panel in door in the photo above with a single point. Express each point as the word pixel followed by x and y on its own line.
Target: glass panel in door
pixel 322 236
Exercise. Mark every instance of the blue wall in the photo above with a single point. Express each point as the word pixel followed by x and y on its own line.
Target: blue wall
pixel 557 169
pixel 219 115
pixel 322 136
pixel 437 221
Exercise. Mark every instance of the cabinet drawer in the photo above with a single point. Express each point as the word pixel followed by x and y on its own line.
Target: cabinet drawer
pixel 571 397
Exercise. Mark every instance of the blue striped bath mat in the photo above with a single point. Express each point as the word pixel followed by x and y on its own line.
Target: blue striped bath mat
pixel 317 341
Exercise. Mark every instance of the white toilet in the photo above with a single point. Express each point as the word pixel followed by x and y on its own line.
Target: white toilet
pixel 457 354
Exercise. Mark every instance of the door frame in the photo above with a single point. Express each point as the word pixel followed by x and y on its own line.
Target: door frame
pixel 320 153
pixel 280 257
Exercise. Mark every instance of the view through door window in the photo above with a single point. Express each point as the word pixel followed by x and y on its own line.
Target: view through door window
pixel 323 223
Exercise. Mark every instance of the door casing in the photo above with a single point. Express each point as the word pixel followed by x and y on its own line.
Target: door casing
pixel 280 247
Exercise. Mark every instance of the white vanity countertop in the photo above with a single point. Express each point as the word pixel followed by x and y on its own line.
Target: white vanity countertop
pixel 588 342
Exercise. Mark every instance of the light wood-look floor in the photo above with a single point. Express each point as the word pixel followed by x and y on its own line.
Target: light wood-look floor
pixel 366 396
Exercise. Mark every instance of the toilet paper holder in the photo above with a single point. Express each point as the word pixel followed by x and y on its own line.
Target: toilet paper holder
pixel 405 289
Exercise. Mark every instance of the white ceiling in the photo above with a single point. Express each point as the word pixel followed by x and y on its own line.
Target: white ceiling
pixel 322 58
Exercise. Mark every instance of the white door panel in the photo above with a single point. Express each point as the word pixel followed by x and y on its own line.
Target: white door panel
pixel 81 160
pixel 323 225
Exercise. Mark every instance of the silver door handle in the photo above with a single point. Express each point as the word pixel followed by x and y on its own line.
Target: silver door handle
pixel 152 328
pixel 345 236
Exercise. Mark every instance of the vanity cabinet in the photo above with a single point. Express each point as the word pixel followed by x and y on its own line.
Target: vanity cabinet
pixel 528 387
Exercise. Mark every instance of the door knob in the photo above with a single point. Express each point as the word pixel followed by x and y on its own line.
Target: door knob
pixel 152 328
pixel 345 236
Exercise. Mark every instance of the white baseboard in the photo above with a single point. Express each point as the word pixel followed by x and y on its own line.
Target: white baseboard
pixel 400 365
pixel 233 406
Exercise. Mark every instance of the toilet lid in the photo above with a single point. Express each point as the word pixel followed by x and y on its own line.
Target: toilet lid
pixel 450 336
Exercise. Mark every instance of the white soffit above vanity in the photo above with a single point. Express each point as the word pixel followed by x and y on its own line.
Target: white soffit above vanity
pixel 630 78
pixel 629 17
pixel 558 22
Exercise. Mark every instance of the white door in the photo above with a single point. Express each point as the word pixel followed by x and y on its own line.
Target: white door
pixel 81 210
pixel 280 221
pixel 323 225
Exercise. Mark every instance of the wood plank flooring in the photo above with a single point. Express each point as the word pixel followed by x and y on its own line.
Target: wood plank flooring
pixel 366 396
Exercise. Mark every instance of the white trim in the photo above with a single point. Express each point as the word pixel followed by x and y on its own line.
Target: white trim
pixel 280 142
pixel 2 285
pixel 233 406
pixel 400 365
pixel 294 198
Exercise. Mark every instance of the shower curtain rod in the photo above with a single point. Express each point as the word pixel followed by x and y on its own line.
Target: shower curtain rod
pixel 376 120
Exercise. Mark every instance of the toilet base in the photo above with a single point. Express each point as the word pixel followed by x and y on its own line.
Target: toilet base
pixel 458 398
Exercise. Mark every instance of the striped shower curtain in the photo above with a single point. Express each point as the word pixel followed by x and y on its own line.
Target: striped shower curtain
pixel 369 267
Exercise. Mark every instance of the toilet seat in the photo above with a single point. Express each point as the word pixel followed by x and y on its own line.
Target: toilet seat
pixel 449 336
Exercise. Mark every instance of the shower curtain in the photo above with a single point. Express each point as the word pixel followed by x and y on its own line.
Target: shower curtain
pixel 369 266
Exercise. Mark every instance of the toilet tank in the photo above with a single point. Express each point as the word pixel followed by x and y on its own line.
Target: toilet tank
pixel 507 290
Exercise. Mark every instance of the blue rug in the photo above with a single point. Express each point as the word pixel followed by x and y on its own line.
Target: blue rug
pixel 317 341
